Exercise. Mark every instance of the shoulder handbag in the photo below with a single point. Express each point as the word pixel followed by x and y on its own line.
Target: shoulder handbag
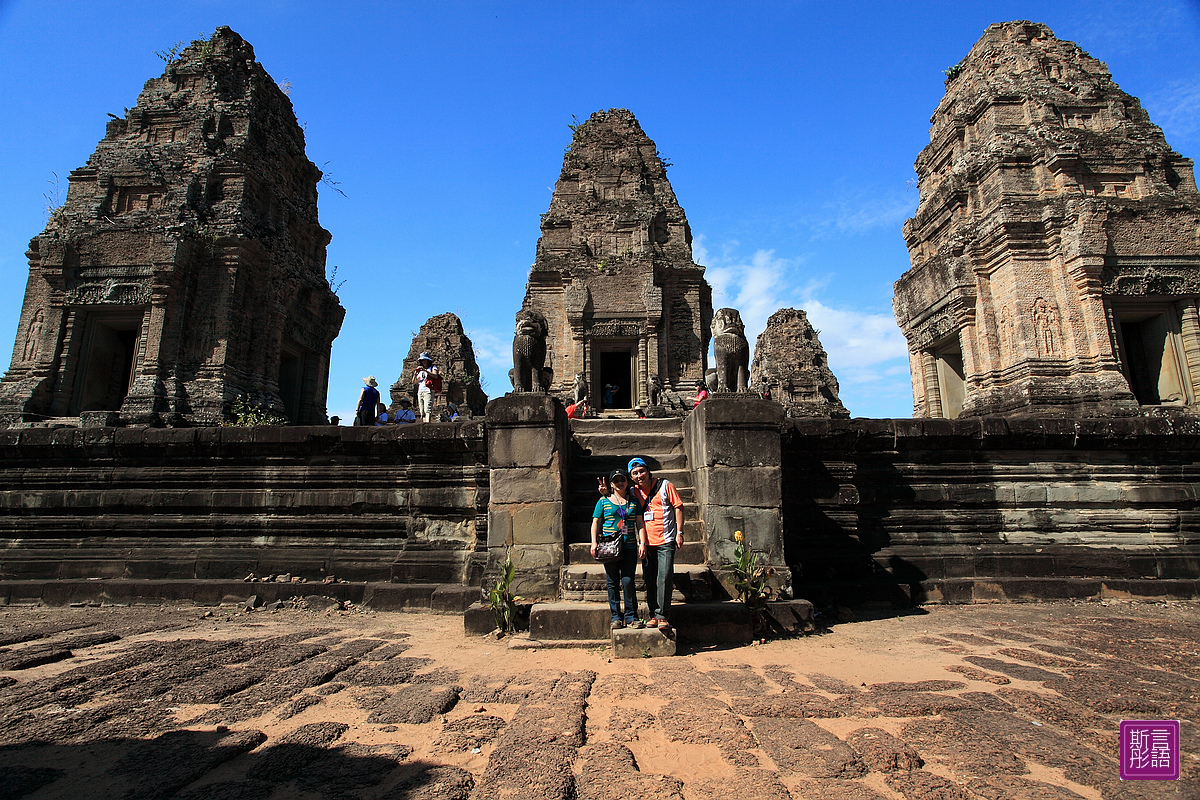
pixel 608 548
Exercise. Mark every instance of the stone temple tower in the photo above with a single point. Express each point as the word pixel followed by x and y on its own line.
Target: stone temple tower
pixel 1055 252
pixel 614 274
pixel 187 266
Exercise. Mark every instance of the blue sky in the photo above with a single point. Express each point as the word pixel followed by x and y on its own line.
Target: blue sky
pixel 792 128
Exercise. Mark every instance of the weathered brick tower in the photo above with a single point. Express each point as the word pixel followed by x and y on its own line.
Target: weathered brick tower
pixel 187 265
pixel 1055 258
pixel 614 274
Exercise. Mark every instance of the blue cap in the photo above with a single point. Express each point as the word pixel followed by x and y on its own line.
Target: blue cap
pixel 633 462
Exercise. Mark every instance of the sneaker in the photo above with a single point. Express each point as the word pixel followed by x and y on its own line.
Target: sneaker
pixel 663 625
pixel 652 622
pixel 637 623
pixel 617 625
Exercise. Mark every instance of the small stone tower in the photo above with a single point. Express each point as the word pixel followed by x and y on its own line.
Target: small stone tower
pixel 443 338
pixel 790 361
pixel 614 274
pixel 187 266
pixel 1055 252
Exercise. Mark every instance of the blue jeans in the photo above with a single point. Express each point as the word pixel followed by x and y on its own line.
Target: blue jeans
pixel 620 583
pixel 659 571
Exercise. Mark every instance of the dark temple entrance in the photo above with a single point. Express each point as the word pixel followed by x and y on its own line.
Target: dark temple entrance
pixel 616 369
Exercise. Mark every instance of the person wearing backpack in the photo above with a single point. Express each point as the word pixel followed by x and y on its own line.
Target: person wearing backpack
pixel 662 521
pixel 367 402
pixel 424 379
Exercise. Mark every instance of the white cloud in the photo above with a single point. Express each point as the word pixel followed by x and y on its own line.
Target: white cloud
pixel 1176 109
pixel 493 354
pixel 856 339
pixel 860 212
pixel 866 350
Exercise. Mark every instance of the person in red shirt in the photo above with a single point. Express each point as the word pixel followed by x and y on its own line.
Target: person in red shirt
pixel 662 519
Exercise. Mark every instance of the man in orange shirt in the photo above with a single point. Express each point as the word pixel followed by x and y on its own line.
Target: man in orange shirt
pixel 662 518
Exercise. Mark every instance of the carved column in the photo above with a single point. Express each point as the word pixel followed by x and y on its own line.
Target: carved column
pixel 1190 330
pixel 642 373
pixel 933 394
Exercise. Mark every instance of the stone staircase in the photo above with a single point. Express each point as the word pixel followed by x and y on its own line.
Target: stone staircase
pixel 600 446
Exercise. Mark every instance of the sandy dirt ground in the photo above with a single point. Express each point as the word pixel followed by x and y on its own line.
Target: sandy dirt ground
pixel 997 702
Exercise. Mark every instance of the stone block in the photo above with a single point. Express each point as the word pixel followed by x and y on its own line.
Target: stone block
pixel 744 486
pixel 523 485
pixel 532 556
pixel 791 616
pixel 478 619
pixel 453 599
pixel 521 447
pixel 525 409
pixel 762 526
pixel 550 621
pixel 398 596
pixel 642 643
pixel 499 528
pixel 532 584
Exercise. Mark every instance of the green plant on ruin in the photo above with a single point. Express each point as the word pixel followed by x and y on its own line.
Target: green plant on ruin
pixel 751 579
pixel 501 598
pixel 334 283
pixel 171 54
pixel 206 46
pixel 953 72
pixel 244 413
pixel 53 195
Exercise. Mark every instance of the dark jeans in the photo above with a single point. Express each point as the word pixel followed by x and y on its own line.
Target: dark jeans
pixel 659 571
pixel 620 582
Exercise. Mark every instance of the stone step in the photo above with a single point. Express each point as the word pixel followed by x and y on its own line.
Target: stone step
pixel 604 463
pixel 584 475
pixel 628 444
pixel 578 528
pixel 625 425
pixel 695 624
pixel 585 496
pixel 693 583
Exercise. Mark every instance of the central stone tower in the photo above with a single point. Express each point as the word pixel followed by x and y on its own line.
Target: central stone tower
pixel 614 275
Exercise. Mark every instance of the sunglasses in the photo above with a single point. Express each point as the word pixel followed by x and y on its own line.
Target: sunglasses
pixel 620 480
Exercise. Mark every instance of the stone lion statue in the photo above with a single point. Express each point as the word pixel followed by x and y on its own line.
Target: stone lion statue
pixel 654 390
pixel 529 352
pixel 580 390
pixel 731 350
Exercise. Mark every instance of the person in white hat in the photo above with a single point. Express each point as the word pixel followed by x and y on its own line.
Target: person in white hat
pixel 367 401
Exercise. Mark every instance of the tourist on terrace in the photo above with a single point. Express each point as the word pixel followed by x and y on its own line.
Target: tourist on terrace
pixel 424 382
pixel 381 417
pixel 365 413
pixel 701 394
pixel 662 521
pixel 404 414
pixel 617 514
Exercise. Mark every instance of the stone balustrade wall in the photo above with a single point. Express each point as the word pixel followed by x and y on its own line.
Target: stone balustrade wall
pixel 405 503
pixel 992 509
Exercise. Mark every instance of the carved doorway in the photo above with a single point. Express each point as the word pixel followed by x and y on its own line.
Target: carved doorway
pixel 1149 341
pixel 107 363
pixel 617 367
